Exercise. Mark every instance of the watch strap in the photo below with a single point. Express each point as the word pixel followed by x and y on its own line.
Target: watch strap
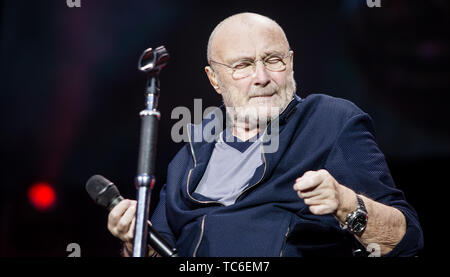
pixel 361 204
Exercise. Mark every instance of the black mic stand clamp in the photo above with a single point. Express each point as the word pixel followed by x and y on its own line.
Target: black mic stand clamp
pixel 151 62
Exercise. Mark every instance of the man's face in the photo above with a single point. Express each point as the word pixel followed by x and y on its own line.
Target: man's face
pixel 263 94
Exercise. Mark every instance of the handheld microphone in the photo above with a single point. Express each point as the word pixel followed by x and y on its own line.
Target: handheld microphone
pixel 106 194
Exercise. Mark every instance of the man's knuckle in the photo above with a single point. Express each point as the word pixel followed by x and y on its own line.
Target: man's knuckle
pixel 336 195
pixel 121 225
pixel 112 216
pixel 324 172
pixel 128 238
pixel 308 173
pixel 110 227
pixel 114 232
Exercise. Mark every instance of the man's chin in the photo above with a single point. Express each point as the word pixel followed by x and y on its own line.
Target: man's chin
pixel 256 115
pixel 265 108
pixel 257 111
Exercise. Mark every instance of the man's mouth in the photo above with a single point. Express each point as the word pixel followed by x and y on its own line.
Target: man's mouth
pixel 263 95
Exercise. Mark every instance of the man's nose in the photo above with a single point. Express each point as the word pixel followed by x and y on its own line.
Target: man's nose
pixel 261 76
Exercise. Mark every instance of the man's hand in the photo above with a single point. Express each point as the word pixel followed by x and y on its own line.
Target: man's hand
pixel 122 220
pixel 324 195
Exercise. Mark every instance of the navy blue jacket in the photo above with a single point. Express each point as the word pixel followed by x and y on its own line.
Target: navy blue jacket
pixel 268 218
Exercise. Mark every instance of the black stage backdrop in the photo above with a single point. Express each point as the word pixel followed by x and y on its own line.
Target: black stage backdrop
pixel 71 94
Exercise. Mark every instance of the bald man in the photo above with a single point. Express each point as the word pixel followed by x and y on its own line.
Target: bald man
pixel 325 191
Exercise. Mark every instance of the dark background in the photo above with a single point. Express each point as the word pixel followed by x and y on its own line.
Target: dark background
pixel 71 94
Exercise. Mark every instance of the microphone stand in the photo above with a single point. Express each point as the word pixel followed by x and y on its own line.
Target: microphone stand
pixel 151 62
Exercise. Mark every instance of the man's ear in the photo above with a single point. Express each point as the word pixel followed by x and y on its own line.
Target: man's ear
pixel 212 78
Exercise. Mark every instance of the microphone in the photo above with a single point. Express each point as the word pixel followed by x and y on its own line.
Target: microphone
pixel 106 194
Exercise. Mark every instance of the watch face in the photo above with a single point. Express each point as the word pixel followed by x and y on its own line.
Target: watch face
pixel 359 223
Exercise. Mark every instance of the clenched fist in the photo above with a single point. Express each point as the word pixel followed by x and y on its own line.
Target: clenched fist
pixel 323 194
pixel 122 222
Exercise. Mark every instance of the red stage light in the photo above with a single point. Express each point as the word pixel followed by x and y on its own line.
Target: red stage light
pixel 42 196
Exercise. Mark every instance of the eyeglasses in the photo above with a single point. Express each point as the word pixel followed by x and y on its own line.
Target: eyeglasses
pixel 246 67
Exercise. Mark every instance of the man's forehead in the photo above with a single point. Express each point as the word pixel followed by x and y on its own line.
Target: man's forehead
pixel 236 42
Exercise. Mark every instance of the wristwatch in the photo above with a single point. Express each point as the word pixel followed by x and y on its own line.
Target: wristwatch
pixel 356 221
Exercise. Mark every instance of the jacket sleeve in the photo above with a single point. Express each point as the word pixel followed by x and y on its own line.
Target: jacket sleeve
pixel 159 219
pixel 356 162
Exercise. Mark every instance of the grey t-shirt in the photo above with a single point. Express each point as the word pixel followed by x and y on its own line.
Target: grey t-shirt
pixel 232 165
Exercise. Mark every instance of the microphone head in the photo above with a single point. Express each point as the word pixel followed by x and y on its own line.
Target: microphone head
pixel 153 60
pixel 103 192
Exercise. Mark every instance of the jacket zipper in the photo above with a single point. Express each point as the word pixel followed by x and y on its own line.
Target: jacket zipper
pixel 201 236
pixel 192 149
pixel 284 242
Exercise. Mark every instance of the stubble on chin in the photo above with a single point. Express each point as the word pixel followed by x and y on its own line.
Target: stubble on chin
pixel 240 113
